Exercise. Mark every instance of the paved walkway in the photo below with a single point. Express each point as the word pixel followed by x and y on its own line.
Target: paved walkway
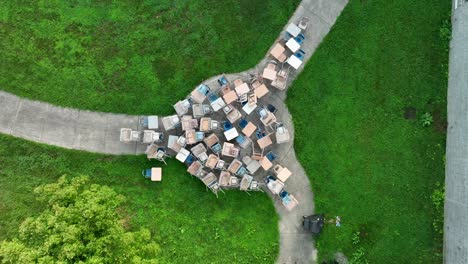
pixel 99 132
pixel 456 173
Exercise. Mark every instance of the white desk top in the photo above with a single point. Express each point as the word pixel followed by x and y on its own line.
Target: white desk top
pixel 242 89
pixel 293 45
pixel 231 134
pixel 249 108
pixel 182 155
pixel 294 61
pixel 293 29
pixel 218 104
pixel 153 122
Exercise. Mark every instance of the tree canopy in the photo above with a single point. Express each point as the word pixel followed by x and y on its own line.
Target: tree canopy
pixel 81 224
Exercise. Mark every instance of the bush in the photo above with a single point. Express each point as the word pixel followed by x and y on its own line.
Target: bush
pixel 426 119
pixel 445 31
pixel 438 197
pixel 81 223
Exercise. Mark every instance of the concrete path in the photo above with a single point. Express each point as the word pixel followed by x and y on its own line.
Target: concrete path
pixel 99 132
pixel 456 173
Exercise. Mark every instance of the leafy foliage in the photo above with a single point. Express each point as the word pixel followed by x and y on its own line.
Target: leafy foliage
pixel 445 34
pixel 80 224
pixel 187 222
pixel 358 257
pixel 426 119
pixel 445 31
pixel 356 239
pixel 438 197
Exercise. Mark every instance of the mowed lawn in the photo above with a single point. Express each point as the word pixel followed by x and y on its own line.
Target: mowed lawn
pixel 190 224
pixel 367 164
pixel 133 57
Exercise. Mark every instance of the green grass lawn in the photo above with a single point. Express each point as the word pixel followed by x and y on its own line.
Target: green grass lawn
pixel 133 57
pixel 190 224
pixel 366 162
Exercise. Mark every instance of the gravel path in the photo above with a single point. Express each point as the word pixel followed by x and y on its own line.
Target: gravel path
pixel 99 132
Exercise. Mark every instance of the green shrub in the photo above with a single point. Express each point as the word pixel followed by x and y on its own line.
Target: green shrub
pixel 356 239
pixel 445 34
pixel 358 257
pixel 445 31
pixel 426 119
pixel 438 197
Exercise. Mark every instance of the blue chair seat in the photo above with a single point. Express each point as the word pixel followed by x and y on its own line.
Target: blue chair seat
pixel 286 199
pixel 199 136
pixel 216 148
pixel 146 173
pixel 212 97
pixel 243 123
pixel 259 134
pixel 271 156
pixel 222 81
pixel 227 125
pixel 241 171
pixel 270 178
pixel 300 38
pixel 189 160
pixel 299 55
pixel 240 139
pixel 271 108
pixel 204 89
pixel 283 194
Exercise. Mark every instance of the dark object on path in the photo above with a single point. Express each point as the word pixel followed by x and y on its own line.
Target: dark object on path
pixel 331 262
pixel 313 223
pixel 272 108
pixel 410 113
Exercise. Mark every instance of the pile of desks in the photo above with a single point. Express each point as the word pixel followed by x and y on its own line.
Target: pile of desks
pixel 227 133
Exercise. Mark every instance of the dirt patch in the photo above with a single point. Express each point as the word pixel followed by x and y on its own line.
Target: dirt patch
pixel 440 122
pixel 409 113
pixel 125 220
